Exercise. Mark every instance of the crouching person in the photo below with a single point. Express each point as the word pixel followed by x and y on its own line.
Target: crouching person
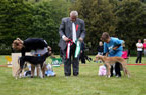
pixel 46 67
pixel 37 46
pixel 49 70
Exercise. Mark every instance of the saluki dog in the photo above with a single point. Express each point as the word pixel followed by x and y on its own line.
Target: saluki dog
pixel 108 61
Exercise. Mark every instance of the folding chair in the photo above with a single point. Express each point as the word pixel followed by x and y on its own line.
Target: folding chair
pixel 9 61
pixel 125 55
pixel 56 62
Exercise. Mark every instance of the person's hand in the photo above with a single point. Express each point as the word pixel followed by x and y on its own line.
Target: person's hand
pixel 107 54
pixel 66 39
pixel 80 39
pixel 115 48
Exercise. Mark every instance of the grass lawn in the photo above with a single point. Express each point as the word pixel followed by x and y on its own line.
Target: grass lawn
pixel 87 83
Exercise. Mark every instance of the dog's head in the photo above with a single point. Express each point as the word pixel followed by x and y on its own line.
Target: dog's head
pixel 98 57
pixel 17 44
pixel 49 50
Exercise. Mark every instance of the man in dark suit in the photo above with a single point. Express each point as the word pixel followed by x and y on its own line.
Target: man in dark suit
pixel 71 29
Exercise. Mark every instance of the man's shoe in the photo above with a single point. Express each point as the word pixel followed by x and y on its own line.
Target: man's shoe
pixel 67 74
pixel 118 76
pixel 75 74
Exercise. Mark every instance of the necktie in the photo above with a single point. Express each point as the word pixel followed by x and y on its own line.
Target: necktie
pixel 74 32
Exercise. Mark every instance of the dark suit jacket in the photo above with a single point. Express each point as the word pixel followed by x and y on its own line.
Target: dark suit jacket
pixel 66 29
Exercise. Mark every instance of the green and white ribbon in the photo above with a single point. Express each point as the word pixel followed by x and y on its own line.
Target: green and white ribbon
pixel 77 51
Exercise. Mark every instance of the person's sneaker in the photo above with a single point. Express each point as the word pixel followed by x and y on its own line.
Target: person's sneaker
pixel 111 75
pixel 31 77
pixel 118 76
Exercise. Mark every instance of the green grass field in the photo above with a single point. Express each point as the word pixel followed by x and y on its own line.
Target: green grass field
pixel 87 83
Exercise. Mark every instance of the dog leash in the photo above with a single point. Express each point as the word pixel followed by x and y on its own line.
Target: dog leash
pixel 69 43
pixel 77 50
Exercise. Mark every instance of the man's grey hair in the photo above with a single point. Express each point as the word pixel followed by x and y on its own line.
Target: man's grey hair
pixel 74 13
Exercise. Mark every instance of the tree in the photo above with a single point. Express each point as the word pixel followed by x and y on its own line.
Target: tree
pixel 131 23
pixel 15 21
pixel 98 16
pixel 19 18
pixel 47 17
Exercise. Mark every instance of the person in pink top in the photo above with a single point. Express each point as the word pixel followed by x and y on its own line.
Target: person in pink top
pixel 144 47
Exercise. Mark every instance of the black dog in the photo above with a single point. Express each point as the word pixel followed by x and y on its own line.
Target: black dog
pixel 88 58
pixel 32 60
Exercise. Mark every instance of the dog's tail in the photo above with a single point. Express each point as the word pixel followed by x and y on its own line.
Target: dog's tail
pixel 25 64
pixel 124 65
pixel 19 60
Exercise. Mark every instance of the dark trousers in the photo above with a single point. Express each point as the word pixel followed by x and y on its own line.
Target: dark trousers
pixel 117 69
pixel 82 57
pixel 71 60
pixel 139 56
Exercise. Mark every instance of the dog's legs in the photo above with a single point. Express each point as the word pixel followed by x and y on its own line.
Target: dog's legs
pixel 127 72
pixel 38 70
pixel 125 69
pixel 32 70
pixel 44 68
pixel 41 71
pixel 108 70
pixel 18 73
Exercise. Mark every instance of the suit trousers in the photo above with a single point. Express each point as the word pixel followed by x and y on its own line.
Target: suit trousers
pixel 82 57
pixel 69 61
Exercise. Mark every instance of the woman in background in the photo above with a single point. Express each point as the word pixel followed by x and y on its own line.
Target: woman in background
pixel 144 48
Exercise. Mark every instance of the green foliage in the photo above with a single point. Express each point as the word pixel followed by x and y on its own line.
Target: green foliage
pixel 98 17
pixel 15 21
pixel 15 18
pixel 123 19
pixel 131 22
pixel 46 20
pixel 24 20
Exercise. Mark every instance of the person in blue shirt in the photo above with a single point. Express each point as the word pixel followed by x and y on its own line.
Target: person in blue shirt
pixel 113 47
